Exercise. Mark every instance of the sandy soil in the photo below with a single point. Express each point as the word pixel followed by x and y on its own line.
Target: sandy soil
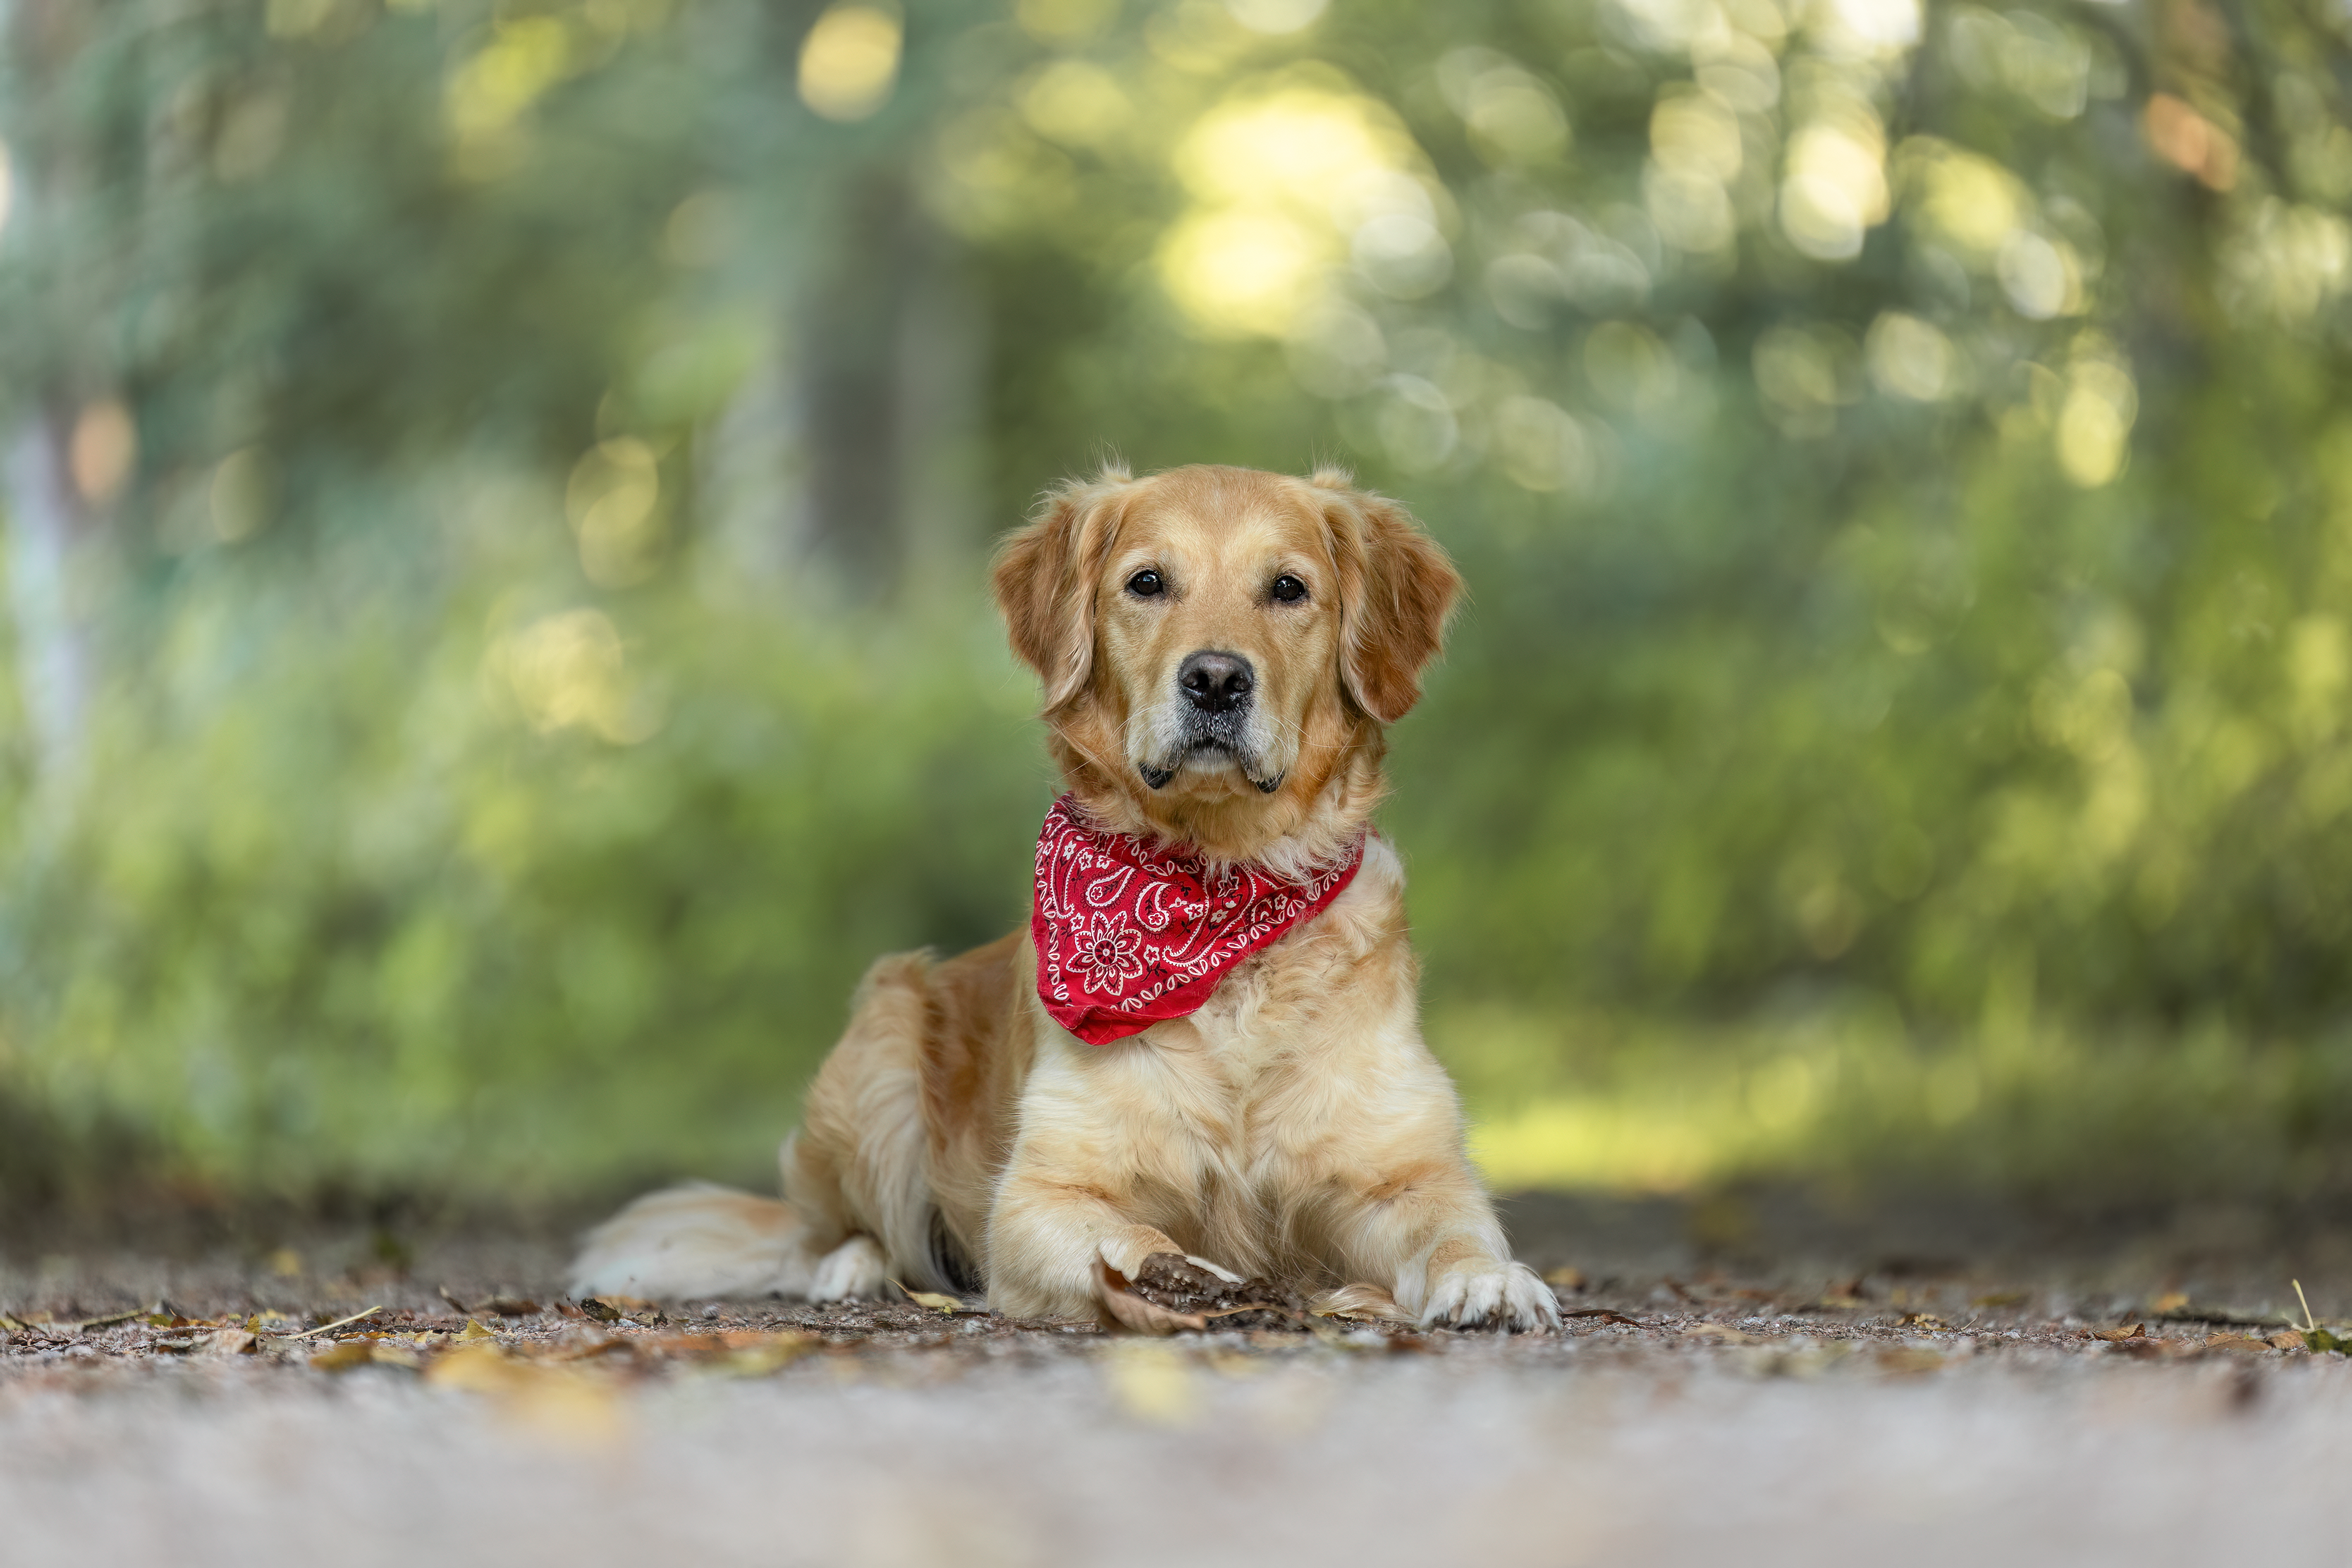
pixel 1779 1385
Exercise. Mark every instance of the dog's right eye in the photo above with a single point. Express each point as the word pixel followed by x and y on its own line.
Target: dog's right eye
pixel 1146 584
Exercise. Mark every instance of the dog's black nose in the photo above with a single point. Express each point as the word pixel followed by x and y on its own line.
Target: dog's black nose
pixel 1215 682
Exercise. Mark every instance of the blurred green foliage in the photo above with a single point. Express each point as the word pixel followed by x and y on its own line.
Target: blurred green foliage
pixel 497 493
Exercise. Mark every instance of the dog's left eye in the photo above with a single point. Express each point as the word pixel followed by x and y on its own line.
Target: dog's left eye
pixel 1289 590
pixel 1145 583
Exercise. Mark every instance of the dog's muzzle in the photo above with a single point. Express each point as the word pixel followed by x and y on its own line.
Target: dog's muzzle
pixel 1218 696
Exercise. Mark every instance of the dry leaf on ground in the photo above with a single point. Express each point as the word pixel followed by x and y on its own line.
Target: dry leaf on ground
pixel 1722 1332
pixel 931 1301
pixel 1124 1311
pixel 347 1355
pixel 1359 1304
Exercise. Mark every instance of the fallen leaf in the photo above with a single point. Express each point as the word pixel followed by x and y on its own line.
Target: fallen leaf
pixel 2170 1301
pixel 1359 1303
pixel 931 1301
pixel 232 1341
pixel 584 1349
pixel 2235 1342
pixel 570 1407
pixel 1604 1315
pixel 1122 1310
pixel 1565 1278
pixel 755 1353
pixel 1152 1383
pixel 1722 1332
pixel 346 1355
pixel 603 1311
pixel 2131 1332
pixel 473 1333
pixel 1923 1320
pixel 2288 1339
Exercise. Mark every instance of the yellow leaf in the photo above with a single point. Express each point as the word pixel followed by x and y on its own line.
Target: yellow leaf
pixel 1724 1332
pixel 1566 1278
pixel 349 1354
pixel 752 1353
pixel 563 1403
pixel 1152 1383
pixel 2129 1332
pixel 2170 1301
pixel 473 1333
pixel 932 1299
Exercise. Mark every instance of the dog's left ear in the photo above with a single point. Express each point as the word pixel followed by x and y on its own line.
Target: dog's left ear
pixel 1397 591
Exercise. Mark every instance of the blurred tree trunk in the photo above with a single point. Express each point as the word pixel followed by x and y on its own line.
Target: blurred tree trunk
pixel 886 385
pixel 46 526
pixel 53 656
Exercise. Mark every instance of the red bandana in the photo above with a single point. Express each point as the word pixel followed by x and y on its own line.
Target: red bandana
pixel 1127 937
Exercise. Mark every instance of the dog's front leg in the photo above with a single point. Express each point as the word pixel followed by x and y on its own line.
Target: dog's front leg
pixel 1048 1232
pixel 1432 1230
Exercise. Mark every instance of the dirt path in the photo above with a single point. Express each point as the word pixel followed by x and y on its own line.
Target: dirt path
pixel 2126 1408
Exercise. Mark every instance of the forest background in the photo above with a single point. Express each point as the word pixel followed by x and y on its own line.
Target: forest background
pixel 497 497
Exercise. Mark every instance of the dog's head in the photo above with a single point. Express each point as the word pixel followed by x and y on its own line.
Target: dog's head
pixel 1218 644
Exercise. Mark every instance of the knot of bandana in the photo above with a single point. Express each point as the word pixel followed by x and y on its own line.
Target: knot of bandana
pixel 1127 936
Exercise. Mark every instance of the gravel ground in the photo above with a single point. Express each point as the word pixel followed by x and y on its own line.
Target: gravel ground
pixel 1729 1390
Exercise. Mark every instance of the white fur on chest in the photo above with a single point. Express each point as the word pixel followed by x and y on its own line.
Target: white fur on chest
pixel 1206 1118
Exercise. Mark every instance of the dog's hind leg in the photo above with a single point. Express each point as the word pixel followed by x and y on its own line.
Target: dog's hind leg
pixel 863 1150
pixel 857 1206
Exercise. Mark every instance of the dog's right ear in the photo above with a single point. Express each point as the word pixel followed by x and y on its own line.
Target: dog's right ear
pixel 1045 576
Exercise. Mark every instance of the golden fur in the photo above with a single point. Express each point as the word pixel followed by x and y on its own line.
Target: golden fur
pixel 1295 1127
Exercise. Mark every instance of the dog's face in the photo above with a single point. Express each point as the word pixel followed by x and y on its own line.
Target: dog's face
pixel 1217 619
pixel 1216 635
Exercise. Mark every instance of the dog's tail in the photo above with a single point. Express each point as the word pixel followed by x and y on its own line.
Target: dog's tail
pixel 698 1240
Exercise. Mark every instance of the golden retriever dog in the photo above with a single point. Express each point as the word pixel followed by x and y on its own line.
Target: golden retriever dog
pixel 1221 649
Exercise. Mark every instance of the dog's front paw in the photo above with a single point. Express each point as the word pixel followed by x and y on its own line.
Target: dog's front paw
pixel 1491 1296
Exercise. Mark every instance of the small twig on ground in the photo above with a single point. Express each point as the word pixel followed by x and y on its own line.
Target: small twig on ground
pixel 338 1324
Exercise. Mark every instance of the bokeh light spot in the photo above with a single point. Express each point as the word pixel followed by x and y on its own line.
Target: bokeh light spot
pixel 103 450
pixel 849 62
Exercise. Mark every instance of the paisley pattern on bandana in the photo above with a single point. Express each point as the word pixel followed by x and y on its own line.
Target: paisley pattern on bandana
pixel 1129 935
